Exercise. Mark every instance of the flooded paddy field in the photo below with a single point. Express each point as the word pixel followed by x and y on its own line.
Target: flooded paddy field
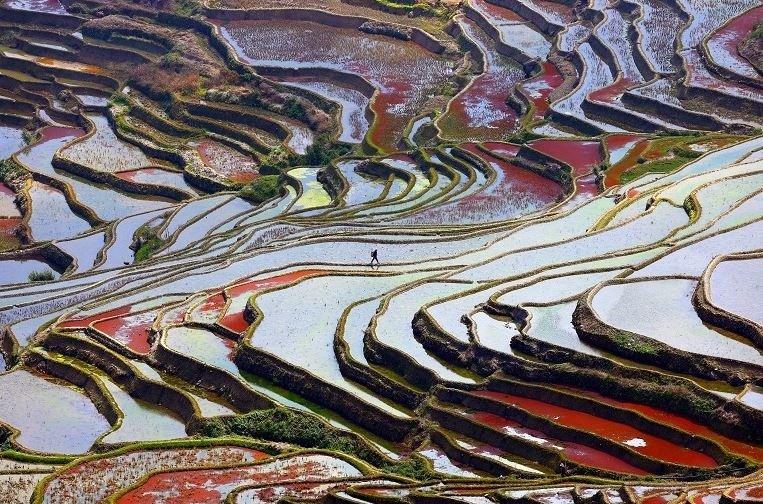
pixel 484 252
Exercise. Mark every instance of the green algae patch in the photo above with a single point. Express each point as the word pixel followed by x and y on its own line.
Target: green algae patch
pixel 666 155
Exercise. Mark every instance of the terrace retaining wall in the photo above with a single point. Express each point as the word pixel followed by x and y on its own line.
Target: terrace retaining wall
pixel 209 378
pixel 535 17
pixel 123 374
pixel 680 116
pixel 66 21
pixel 501 47
pixel 557 431
pixel 593 331
pixel 111 179
pixel 639 385
pixel 93 389
pixel 378 421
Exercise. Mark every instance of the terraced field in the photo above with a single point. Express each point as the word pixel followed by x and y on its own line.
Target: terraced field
pixel 495 251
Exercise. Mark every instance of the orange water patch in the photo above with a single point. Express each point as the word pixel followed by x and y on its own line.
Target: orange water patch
pixel 213 304
pixel 132 330
pixel 235 321
pixel 8 227
pixel 56 132
pixel 612 177
pixel 227 162
pixel 647 444
pixel 752 451
pixel 387 126
pixel 610 93
pixel 581 155
pixel 582 454
pixel 81 323
pixel 728 37
pixel 662 498
pixel 213 485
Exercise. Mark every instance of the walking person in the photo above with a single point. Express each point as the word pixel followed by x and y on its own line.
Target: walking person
pixel 375 257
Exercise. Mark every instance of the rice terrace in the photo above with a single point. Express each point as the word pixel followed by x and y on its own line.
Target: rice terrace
pixel 381 251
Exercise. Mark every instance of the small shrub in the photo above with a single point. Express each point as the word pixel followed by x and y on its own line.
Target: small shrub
pixel 280 424
pixel 147 242
pixel 148 248
pixel 293 108
pixel 261 189
pixel 78 8
pixel 448 89
pixel 10 171
pixel 171 60
pixel 28 136
pixel 323 150
pixel 686 153
pixel 187 7
pixel 40 276
pixel 8 37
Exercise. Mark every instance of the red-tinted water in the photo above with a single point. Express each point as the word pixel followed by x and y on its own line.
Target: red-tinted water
pixel 8 206
pixel 227 162
pixel 540 87
pixel 8 227
pixel 81 323
pixel 387 127
pixel 524 181
pixel 575 452
pixel 496 13
pixel 55 132
pixel 214 304
pixel 213 485
pixel 131 330
pixel 728 38
pixel 649 445
pixel 516 192
pixel 502 149
pixel 662 498
pixel 480 111
pixel 235 321
pixel 752 451
pixel 581 155
pixel 610 93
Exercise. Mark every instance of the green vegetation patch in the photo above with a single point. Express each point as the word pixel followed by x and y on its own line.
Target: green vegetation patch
pixel 261 189
pixel 146 241
pixel 280 424
pixel 11 172
pixel 666 155
pixel 40 276
pixel 323 150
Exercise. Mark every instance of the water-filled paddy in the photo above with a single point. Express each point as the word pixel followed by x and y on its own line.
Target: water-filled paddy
pixel 736 286
pixel 534 171
pixel 353 105
pixel 51 417
pixel 480 111
pixel 381 60
pixel 624 434
pixel 662 310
